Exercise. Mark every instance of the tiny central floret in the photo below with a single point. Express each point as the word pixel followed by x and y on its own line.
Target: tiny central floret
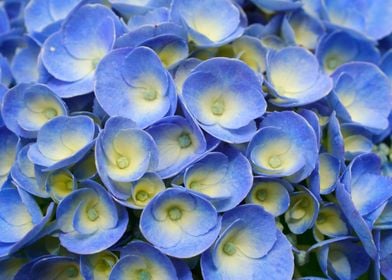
pixel 150 95
pixel 298 214
pixel 92 214
pixel 261 195
pixel 218 107
pixel 144 275
pixel 50 113
pixel 175 213
pixel 142 196
pixel 274 162
pixel 184 140
pixel 72 272
pixel 229 248
pixel 122 162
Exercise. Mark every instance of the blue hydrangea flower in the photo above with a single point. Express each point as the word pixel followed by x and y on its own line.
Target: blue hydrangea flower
pixel 249 247
pixel 386 254
pixel 62 142
pixel 251 51
pixel 303 211
pixel 341 258
pixel 89 220
pixel 180 142
pixel 271 194
pixel 302 29
pixel 23 174
pixel 180 223
pixel 59 184
pixel 367 17
pixel 210 24
pixel 27 107
pixel 342 46
pixel 124 154
pixel 362 193
pixel 357 140
pixel 325 176
pixel 152 17
pixel 223 178
pixel 21 220
pixel 48 266
pixel 139 260
pixel 25 63
pixel 285 146
pixel 142 191
pixel 144 94
pixel 293 85
pixel 277 5
pixel 330 222
pixel 71 55
pixel 130 8
pixel 97 266
pixel 9 146
pixel 351 99
pixel 43 17
pixel 225 97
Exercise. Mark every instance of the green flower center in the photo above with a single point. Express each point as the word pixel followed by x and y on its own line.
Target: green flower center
pixel 274 162
pixel 218 107
pixel 184 140
pixel 92 214
pixel 69 185
pixel 175 213
pixel 122 162
pixel 321 219
pixel 150 95
pixel 229 248
pixel 144 275
pixel 142 196
pixel 261 195
pixel 50 113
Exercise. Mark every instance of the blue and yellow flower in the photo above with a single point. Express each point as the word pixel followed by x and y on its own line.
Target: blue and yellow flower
pixel 351 99
pixel 277 5
pixel 285 146
pixel 21 220
pixel 139 260
pixel 330 222
pixel 180 142
pixel 89 220
pixel 290 85
pixel 180 223
pixel 9 146
pixel 124 154
pixel 144 94
pixel 62 142
pixel 223 178
pixel 342 46
pixel 71 55
pixel 210 24
pixel 326 175
pixel 59 184
pixel 249 247
pixel 27 107
pixel 272 194
pixel 97 266
pixel 225 97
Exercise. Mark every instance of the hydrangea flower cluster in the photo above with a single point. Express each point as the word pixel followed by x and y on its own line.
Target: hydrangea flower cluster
pixel 195 139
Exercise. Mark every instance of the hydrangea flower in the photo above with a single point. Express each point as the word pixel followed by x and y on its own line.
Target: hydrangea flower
pixel 330 222
pixel 249 247
pixel 27 107
pixel 144 94
pixel 223 178
pixel 285 146
pixel 271 194
pixel 225 97
pixel 324 178
pixel 72 54
pixel 139 260
pixel 180 223
pixel 210 24
pixel 59 184
pixel 97 266
pixel 291 85
pixel 21 220
pixel 352 83
pixel 277 5
pixel 9 146
pixel 89 220
pixel 62 142
pixel 124 154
